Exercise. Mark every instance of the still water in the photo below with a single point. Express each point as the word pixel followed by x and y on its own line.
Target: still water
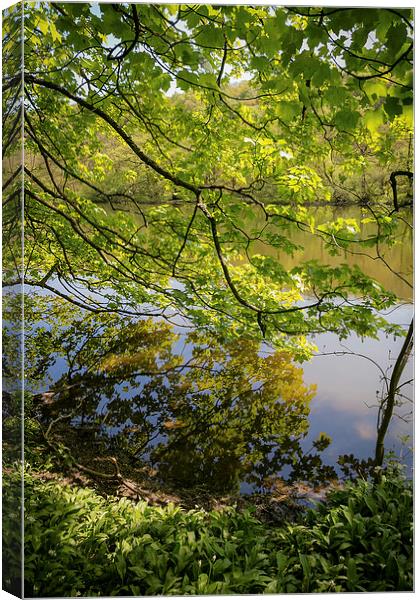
pixel 200 411
pixel 398 256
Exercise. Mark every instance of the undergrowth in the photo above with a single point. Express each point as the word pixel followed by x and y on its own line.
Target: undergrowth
pixel 78 543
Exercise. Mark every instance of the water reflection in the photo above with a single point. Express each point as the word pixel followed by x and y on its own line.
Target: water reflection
pixel 200 410
pixel 349 388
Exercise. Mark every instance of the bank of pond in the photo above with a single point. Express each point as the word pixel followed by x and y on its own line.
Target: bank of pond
pixel 78 543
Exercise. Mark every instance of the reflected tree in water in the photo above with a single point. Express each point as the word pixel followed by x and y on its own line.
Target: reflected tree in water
pixel 200 410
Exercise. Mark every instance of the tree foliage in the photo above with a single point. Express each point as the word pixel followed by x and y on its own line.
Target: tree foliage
pixel 163 142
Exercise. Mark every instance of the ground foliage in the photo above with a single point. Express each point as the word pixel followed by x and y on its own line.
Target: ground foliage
pixel 80 544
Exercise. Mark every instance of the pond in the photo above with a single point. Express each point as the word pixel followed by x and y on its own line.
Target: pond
pixel 192 410
pixel 399 256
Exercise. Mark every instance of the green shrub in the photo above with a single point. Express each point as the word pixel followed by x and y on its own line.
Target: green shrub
pixel 361 540
pixel 80 544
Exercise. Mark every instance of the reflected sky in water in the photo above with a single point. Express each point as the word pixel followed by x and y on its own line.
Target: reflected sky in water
pixel 344 405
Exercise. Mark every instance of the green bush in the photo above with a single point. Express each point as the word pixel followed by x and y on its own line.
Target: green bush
pixel 361 540
pixel 80 544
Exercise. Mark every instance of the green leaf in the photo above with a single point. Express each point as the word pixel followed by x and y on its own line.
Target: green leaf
pixel 335 95
pixel 288 110
pixel 346 119
pixel 44 26
pixel 208 80
pixel 321 75
pixel 374 118
pixel 375 88
pixel 393 107
pixel 211 36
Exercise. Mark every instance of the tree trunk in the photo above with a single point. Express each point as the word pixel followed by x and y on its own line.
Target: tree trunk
pixel 392 392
